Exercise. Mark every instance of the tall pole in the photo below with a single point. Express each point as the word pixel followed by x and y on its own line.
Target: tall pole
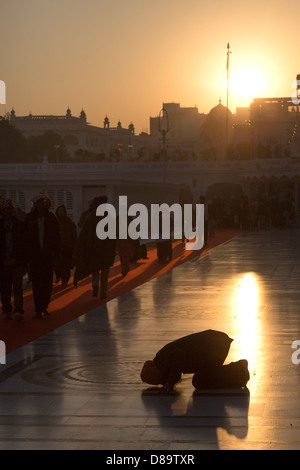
pixel 227 101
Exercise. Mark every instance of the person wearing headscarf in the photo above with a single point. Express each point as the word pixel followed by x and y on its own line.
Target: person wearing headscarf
pixel 68 238
pixel 201 354
pixel 12 260
pixel 94 255
pixel 42 239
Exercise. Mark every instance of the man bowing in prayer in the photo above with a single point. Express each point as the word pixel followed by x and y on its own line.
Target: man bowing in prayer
pixel 201 354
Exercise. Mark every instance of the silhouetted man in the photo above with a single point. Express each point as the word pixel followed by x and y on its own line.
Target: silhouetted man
pixel 12 260
pixel 42 247
pixel 201 354
pixel 93 255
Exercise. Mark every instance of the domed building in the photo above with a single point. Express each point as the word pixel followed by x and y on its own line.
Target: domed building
pixel 219 113
pixel 218 123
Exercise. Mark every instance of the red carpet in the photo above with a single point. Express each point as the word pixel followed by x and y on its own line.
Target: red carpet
pixel 69 303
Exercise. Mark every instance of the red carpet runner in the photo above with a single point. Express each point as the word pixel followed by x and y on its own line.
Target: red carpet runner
pixel 69 303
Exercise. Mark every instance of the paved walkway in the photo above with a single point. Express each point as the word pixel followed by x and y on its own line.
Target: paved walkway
pixel 68 303
pixel 78 387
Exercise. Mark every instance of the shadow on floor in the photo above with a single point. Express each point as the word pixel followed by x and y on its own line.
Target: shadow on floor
pixel 204 415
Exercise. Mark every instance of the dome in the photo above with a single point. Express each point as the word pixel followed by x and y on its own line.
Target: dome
pixel 218 123
pixel 219 112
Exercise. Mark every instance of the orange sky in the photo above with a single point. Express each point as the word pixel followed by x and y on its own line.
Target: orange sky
pixel 124 58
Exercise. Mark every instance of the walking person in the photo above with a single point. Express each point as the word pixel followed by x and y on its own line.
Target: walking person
pixel 12 260
pixel 164 250
pixel 164 246
pixel 94 256
pixel 68 239
pixel 126 249
pixel 85 214
pixel 42 246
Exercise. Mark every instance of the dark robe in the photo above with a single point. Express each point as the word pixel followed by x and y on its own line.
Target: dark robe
pixel 199 352
pixel 41 258
pixel 92 254
pixel 51 240
pixel 18 242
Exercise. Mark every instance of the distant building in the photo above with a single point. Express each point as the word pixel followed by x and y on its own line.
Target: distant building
pixel 78 134
pixel 242 115
pixel 184 138
pixel 269 128
pixel 275 124
pixel 217 130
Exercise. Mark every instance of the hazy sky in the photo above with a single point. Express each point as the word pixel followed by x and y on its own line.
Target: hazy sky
pixel 124 58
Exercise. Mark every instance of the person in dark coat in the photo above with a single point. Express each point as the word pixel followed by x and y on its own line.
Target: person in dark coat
pixel 201 354
pixel 85 214
pixel 126 252
pixel 164 246
pixel 126 249
pixel 68 238
pixel 12 260
pixel 94 255
pixel 164 250
pixel 42 247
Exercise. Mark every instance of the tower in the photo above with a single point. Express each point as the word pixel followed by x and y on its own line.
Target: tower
pixel 83 116
pixel 106 123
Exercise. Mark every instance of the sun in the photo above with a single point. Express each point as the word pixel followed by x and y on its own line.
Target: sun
pixel 245 84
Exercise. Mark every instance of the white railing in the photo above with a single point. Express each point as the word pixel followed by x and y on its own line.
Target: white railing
pixel 258 166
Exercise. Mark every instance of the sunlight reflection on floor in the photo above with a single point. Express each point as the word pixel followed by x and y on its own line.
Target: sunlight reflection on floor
pixel 246 305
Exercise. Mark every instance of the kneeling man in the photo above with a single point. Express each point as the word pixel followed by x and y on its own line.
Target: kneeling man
pixel 201 354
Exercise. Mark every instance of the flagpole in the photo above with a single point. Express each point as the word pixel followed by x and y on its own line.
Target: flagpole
pixel 227 101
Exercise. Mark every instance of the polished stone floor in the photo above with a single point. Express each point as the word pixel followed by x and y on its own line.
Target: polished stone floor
pixel 79 387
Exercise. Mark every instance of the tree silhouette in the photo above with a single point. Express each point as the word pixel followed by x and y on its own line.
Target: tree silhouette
pixel 13 145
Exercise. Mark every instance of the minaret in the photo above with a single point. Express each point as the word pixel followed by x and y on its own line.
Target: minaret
pixel 83 116
pixel 106 123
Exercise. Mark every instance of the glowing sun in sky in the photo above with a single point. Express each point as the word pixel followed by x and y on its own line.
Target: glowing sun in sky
pixel 245 84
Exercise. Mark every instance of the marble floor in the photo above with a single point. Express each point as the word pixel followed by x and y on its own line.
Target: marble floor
pixel 79 387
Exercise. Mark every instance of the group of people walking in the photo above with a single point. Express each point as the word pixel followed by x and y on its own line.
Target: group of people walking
pixel 47 246
pixel 38 243
pixel 251 214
